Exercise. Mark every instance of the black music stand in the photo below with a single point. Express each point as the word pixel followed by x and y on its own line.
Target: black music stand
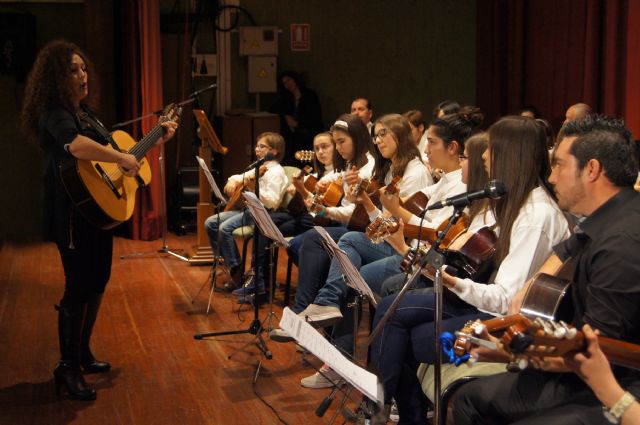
pixel 262 223
pixel 217 259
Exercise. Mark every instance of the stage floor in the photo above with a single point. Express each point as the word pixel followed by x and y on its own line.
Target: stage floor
pixel 160 374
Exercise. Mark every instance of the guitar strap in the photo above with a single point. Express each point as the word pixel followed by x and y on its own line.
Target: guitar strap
pixel 99 128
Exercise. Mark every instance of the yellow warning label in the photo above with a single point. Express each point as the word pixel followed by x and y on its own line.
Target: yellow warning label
pixel 262 73
pixel 255 44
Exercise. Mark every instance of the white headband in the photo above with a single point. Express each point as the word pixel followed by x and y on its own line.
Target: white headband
pixel 342 124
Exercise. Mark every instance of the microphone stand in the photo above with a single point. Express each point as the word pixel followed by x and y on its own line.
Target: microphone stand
pixel 435 258
pixel 163 185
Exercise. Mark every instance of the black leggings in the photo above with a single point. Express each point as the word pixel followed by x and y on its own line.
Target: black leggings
pixel 86 262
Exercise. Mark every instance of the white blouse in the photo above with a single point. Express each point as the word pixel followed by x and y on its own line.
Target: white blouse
pixel 539 226
pixel 273 184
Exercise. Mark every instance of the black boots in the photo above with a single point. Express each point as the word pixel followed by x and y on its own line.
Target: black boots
pixel 67 373
pixel 88 362
pixel 75 325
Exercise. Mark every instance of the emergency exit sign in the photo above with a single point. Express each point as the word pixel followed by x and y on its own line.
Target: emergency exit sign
pixel 300 37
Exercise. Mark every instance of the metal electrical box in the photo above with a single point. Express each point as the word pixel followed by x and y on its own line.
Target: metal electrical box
pixel 258 41
pixel 262 74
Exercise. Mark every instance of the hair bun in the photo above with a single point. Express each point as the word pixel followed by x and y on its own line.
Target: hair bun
pixel 472 114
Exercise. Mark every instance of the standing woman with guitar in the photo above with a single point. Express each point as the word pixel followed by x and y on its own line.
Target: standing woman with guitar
pixel 528 222
pixel 56 96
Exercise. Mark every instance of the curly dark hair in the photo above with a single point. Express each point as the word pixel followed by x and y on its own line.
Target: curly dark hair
pixel 49 84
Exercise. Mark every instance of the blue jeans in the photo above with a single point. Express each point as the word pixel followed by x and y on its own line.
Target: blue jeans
pixel 376 262
pixel 313 265
pixel 407 340
pixel 229 221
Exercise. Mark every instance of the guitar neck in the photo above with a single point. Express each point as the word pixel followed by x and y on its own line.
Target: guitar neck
pixel 147 142
pixel 620 352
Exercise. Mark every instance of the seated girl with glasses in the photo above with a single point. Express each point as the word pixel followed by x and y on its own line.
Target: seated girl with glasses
pixel 273 183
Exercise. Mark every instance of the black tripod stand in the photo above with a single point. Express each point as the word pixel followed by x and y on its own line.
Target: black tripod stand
pixel 255 327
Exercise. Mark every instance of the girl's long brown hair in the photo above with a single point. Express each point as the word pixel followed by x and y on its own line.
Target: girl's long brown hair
pixel 477 175
pixel 49 83
pixel 406 148
pixel 520 160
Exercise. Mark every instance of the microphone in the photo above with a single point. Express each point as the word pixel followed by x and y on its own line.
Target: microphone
pixel 197 92
pixel 268 157
pixel 493 189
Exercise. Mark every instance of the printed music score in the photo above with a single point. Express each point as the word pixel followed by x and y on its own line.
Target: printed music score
pixel 352 275
pixel 364 381
pixel 212 182
pixel 262 219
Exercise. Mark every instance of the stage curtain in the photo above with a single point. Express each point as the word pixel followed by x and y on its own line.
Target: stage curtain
pixel 143 84
pixel 552 54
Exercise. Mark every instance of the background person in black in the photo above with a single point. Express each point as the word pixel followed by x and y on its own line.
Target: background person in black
pixel 56 92
pixel 300 114
pixel 595 167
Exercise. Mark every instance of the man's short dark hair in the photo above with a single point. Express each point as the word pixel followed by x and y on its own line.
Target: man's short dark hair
pixel 608 141
pixel 366 100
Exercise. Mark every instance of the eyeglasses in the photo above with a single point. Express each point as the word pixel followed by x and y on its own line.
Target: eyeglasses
pixel 262 146
pixel 380 135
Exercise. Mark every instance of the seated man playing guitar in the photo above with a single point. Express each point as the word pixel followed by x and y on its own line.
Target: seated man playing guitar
pixel 594 168
pixel 273 183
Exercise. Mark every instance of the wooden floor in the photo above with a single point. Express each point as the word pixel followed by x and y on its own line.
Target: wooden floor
pixel 161 375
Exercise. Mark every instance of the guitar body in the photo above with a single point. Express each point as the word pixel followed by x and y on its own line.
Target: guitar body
pixel 360 218
pixel 416 203
pixel 296 205
pixel 101 204
pixel 236 202
pixel 471 254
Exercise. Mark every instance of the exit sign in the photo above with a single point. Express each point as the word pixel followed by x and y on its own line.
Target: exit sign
pixel 300 37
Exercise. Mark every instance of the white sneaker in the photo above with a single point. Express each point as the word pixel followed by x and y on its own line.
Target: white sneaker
pixel 394 416
pixel 328 380
pixel 280 335
pixel 320 316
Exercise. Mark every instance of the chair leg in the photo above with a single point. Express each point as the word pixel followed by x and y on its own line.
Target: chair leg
pixel 287 284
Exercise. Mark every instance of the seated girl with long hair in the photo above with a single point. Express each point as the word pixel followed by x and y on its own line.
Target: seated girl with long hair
pixel 528 223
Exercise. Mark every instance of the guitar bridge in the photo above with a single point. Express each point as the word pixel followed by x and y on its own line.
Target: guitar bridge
pixel 108 181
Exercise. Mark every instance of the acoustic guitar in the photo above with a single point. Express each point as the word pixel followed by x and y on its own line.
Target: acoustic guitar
pixel 236 202
pixel 359 217
pixel 100 190
pixel 304 156
pixel 545 298
pixel 296 205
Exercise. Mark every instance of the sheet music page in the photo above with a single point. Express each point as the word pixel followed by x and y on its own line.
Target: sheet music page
pixel 212 182
pixel 263 220
pixel 352 275
pixel 363 380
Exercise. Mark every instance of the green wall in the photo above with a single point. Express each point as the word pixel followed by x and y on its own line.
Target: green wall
pixel 403 54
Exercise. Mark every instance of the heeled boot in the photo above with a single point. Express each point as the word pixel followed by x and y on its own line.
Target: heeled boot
pixel 87 360
pixel 67 373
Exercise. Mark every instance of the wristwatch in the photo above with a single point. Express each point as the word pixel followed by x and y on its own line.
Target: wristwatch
pixel 614 414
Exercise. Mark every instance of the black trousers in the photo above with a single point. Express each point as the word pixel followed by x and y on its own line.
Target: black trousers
pixel 86 260
pixel 529 397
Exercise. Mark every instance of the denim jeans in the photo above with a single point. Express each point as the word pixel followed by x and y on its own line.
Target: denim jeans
pixel 229 221
pixel 313 265
pixel 376 262
pixel 407 340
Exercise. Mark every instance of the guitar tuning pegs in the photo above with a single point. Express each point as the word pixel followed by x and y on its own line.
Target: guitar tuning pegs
pixel 571 331
pixel 559 331
pixel 479 328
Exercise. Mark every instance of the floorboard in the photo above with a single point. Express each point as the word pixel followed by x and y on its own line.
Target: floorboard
pixel 161 374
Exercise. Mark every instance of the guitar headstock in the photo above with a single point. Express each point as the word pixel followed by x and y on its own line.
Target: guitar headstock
pixel 304 156
pixel 542 338
pixel 171 112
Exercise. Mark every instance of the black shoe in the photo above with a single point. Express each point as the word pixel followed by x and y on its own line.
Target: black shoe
pixel 262 298
pixel 87 360
pixel 70 378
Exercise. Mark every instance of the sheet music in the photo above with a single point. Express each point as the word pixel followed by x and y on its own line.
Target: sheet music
pixel 212 182
pixel 263 220
pixel 352 275
pixel 363 380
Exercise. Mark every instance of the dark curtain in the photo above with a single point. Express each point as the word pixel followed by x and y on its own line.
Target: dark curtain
pixel 552 54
